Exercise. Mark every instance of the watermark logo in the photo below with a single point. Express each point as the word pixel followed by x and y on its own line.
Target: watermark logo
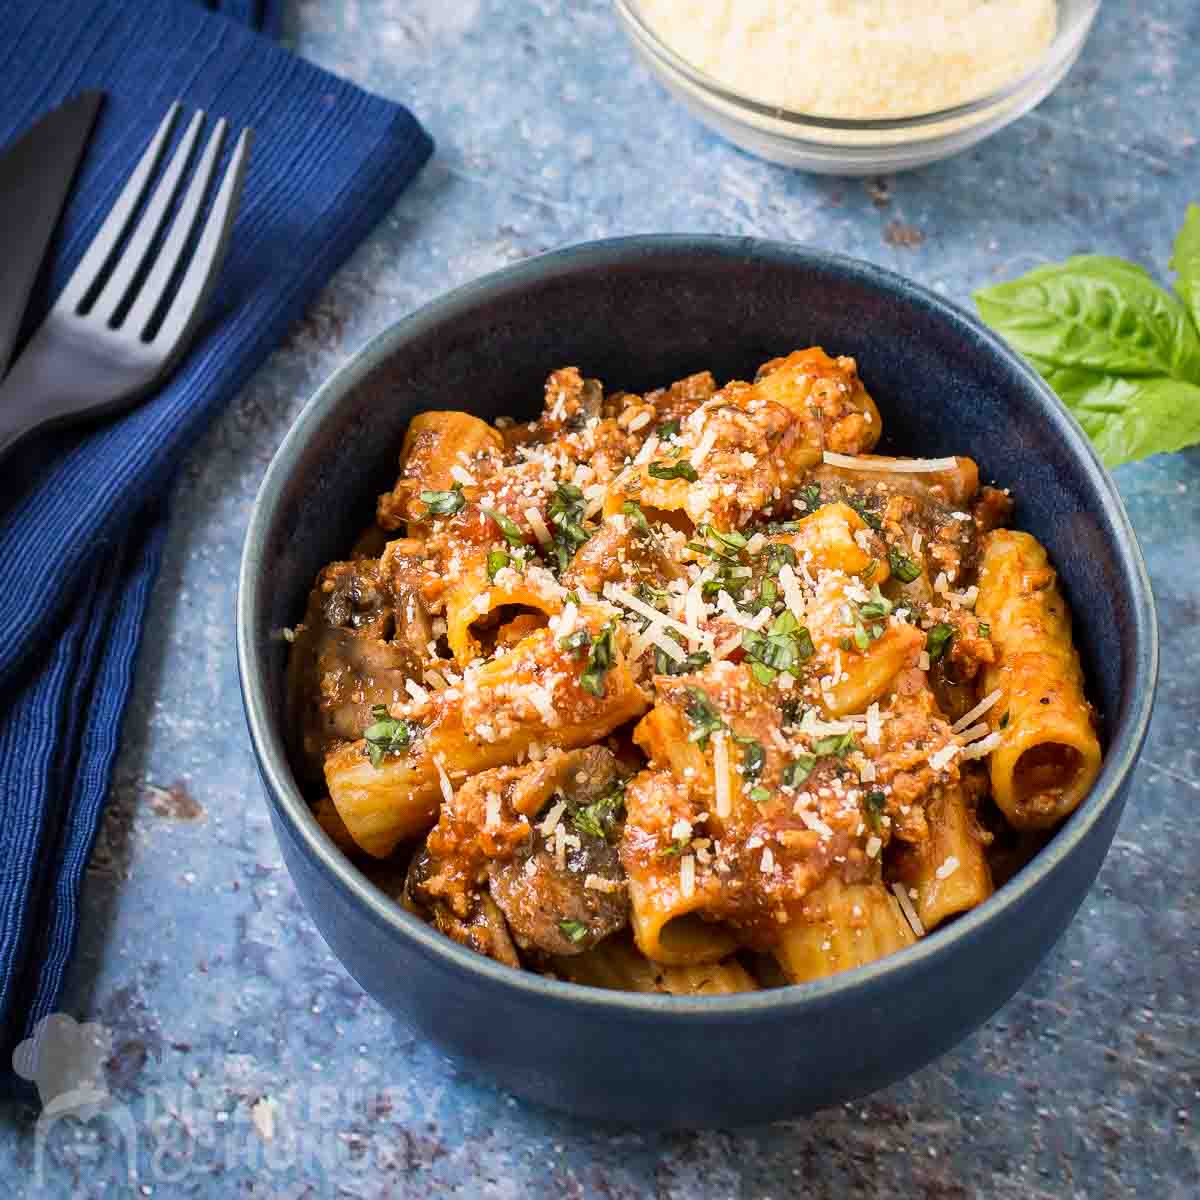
pixel 65 1059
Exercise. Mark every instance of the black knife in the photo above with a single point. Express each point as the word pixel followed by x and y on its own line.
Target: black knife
pixel 35 179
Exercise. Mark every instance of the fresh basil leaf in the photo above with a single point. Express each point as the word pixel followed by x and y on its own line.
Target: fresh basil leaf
pixel 574 931
pixel 601 657
pixel 680 470
pixel 497 560
pixel 1099 313
pixel 443 504
pixel 903 567
pixel 508 527
pixel 637 518
pixel 1127 419
pixel 1185 262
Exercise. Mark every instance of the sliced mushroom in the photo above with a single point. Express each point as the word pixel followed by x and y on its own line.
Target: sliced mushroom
pixel 359 643
pixel 543 890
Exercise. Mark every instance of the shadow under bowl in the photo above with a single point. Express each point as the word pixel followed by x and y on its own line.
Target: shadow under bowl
pixel 636 313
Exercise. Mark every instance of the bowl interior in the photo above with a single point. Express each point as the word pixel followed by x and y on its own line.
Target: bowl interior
pixel 640 312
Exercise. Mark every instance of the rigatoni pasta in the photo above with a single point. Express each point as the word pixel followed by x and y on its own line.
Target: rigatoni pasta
pixel 689 691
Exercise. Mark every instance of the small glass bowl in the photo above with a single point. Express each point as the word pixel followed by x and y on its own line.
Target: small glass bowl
pixel 838 146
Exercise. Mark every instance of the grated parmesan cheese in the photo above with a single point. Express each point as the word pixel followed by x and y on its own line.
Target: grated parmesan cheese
pixel 618 594
pixel 947 868
pixel 444 780
pixel 687 876
pixel 890 466
pixel 983 706
pixel 492 813
pixel 550 823
pixel 910 913
pixel 708 439
pixel 416 691
pixel 767 863
pixel 655 635
pixel 974 733
pixel 982 747
pixel 885 58
pixel 874 725
pixel 793 597
pixel 721 771
pixel 940 759
pixel 538 526
pixel 460 475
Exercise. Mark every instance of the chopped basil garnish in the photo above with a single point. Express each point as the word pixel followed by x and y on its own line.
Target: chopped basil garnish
pixel 566 510
pixel 668 429
pixel 599 819
pixel 679 470
pixel 633 511
pixel 497 560
pixel 985 630
pixel 798 770
pixel 792 710
pixel 785 645
pixel 577 642
pixel 903 567
pixel 874 804
pixel 704 718
pixel 759 795
pixel 937 640
pixel 837 745
pixel 511 530
pixel 810 496
pixel 443 504
pixel 754 757
pixel 868 572
pixel 664 664
pixel 674 848
pixel 600 661
pixel 1004 721
pixel 573 931
pixel 768 593
pixel 779 553
pixel 878 605
pixel 388 735
pixel 870 519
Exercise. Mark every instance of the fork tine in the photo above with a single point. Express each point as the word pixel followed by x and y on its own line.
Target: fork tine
pixel 201 274
pixel 171 253
pixel 137 249
pixel 109 234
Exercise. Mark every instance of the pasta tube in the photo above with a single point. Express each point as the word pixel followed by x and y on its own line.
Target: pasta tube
pixel 846 926
pixel 431 459
pixel 1048 754
pixel 615 963
pixel 952 873
pixel 534 694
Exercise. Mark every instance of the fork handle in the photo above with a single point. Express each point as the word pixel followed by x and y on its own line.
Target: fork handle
pixel 53 383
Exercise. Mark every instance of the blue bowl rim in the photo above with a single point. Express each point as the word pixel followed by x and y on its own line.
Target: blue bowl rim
pixel 1127 736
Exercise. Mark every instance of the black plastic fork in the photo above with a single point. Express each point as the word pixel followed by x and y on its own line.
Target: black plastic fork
pixel 108 339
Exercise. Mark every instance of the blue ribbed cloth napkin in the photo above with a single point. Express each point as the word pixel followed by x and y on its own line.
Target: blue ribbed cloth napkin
pixel 81 513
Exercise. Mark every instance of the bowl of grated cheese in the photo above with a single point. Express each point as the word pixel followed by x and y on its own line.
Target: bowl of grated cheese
pixel 858 87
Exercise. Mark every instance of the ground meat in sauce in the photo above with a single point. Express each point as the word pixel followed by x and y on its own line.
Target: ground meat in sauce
pixel 488 837
pixel 499 874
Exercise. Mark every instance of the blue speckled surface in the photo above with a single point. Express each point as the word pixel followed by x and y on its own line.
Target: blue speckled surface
pixel 250 1063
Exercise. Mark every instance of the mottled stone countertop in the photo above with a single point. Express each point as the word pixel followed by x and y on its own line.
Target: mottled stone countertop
pixel 249 1061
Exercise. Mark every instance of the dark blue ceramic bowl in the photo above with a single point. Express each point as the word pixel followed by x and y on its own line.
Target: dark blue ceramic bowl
pixel 639 312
